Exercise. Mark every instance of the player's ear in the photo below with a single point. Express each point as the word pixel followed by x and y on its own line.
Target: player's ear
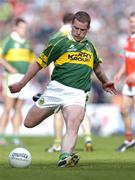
pixel 89 27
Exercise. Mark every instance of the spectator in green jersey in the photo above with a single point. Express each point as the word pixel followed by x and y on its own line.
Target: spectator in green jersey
pixel 75 59
pixel 16 57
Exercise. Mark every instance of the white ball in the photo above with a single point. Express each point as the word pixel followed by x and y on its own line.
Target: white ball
pixel 19 158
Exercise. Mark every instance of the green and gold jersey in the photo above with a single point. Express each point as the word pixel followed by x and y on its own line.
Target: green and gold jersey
pixel 18 54
pixel 73 61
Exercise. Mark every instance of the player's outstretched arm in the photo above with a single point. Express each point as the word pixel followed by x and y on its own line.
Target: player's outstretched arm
pixel 106 84
pixel 32 71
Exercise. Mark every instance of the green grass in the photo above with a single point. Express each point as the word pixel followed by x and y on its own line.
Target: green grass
pixel 103 163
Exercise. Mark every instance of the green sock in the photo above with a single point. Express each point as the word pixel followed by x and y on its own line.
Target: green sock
pixel 2 136
pixel 63 155
pixel 14 136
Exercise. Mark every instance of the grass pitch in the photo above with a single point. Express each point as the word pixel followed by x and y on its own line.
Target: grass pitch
pixel 104 163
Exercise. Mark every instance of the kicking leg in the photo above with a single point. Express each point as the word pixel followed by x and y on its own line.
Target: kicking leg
pixel 36 115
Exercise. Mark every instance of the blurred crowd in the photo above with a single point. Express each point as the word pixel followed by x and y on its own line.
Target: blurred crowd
pixel 109 28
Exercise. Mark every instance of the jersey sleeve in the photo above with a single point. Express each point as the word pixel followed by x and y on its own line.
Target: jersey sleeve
pixel 31 52
pixel 43 59
pixel 6 46
pixel 50 54
pixel 97 58
pixel 122 54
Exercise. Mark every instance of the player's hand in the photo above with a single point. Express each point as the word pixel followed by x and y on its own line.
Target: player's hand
pixel 116 79
pixel 16 87
pixel 109 87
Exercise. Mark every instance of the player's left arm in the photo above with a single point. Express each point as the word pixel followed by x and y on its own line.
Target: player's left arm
pixel 33 69
pixel 106 84
pixel 7 66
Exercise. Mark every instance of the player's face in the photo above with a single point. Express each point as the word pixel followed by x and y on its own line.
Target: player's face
pixel 21 29
pixel 79 30
pixel 132 24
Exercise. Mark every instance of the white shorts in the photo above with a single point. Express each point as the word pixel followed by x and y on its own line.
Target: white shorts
pixel 24 93
pixel 58 94
pixel 128 91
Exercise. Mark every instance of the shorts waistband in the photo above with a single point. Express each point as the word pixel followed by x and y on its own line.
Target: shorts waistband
pixel 66 87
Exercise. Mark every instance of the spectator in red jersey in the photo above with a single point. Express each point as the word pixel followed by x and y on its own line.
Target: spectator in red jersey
pixel 128 99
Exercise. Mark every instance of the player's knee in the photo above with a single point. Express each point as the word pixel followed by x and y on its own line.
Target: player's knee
pixel 124 113
pixel 28 124
pixel 7 111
